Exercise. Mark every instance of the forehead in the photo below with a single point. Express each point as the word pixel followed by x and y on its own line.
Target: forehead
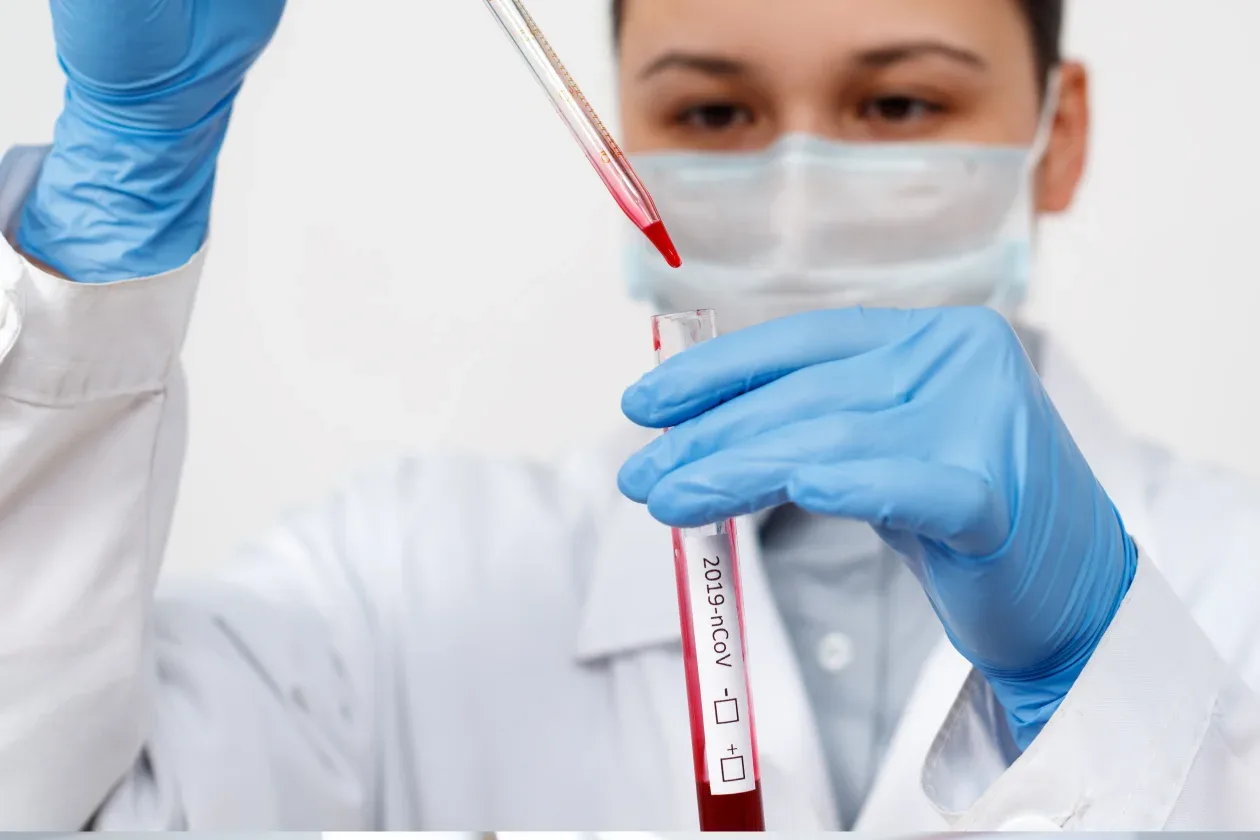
pixel 819 33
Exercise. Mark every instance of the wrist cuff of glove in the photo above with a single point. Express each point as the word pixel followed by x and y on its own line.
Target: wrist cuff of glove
pixel 112 204
pixel 1030 703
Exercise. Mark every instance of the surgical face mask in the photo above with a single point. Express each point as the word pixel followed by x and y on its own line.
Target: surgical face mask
pixel 816 224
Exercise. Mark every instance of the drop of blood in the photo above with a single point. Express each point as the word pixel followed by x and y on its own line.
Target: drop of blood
pixel 660 238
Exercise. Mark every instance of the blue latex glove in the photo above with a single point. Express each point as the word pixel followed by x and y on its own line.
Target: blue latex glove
pixel 932 426
pixel 126 189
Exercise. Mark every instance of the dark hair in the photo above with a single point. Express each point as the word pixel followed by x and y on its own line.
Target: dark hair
pixel 1045 23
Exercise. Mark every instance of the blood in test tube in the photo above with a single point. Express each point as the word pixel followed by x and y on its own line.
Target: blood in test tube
pixel 711 611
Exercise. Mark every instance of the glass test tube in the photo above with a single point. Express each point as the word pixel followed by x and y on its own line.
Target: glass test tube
pixel 706 563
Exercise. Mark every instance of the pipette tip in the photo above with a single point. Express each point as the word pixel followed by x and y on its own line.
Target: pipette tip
pixel 660 238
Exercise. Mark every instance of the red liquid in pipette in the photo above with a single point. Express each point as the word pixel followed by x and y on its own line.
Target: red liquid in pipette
pixel 732 811
pixel 659 237
pixel 645 219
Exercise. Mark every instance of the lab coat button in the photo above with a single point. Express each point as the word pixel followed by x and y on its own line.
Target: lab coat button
pixel 1030 822
pixel 835 652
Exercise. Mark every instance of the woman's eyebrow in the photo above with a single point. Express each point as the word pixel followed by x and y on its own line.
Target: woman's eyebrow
pixel 877 57
pixel 886 56
pixel 712 65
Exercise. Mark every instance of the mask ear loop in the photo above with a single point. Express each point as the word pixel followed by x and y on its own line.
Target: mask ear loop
pixel 1045 125
pixel 1009 299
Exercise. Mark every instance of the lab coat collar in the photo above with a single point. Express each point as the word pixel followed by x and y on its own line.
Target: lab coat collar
pixel 632 598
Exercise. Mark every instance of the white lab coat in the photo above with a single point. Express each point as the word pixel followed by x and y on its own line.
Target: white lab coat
pixel 456 643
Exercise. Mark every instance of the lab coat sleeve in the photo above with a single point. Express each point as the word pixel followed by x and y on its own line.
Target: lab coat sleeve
pixel 1159 732
pixel 239 704
pixel 90 441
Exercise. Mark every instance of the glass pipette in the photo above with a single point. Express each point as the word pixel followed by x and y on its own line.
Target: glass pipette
pixel 600 148
pixel 711 610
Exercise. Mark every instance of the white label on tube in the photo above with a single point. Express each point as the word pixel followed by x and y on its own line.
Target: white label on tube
pixel 720 660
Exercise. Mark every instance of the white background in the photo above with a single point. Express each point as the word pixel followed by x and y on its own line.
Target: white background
pixel 410 253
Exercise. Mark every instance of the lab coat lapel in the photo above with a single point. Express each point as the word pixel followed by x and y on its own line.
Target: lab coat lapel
pixel 629 624
pixel 630 619
pixel 897 802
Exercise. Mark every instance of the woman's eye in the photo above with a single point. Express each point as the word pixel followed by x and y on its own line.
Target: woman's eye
pixel 716 116
pixel 899 109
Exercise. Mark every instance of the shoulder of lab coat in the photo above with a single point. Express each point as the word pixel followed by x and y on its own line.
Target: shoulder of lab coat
pixel 1161 730
pixel 85 375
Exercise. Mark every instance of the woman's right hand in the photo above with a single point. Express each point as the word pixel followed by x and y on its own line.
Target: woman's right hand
pixel 126 191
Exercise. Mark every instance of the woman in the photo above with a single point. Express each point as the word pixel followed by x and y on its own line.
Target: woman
pixel 455 644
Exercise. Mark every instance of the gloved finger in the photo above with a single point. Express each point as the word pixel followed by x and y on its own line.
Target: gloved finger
pixel 120 42
pixel 949 505
pixel 719 370
pixel 754 475
pixel 832 388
